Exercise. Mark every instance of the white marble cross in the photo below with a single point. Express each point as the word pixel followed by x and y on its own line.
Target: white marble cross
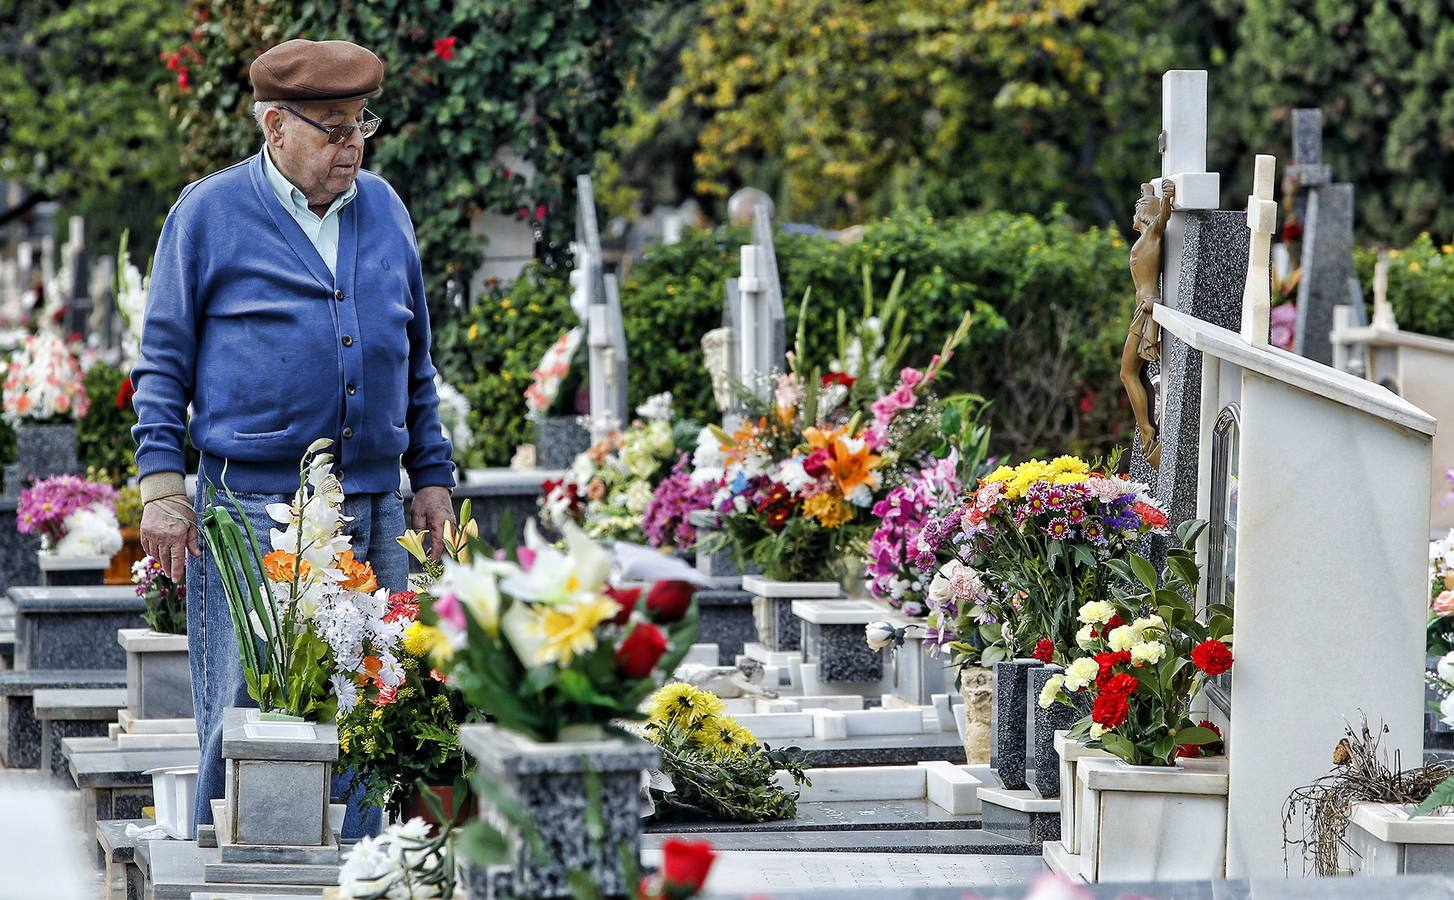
pixel 1262 221
pixel 1184 140
pixel 760 318
pixel 595 300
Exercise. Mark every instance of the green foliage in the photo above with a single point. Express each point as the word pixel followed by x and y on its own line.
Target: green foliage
pixel 1420 285
pixel 1050 302
pixel 730 787
pixel 80 121
pixel 103 435
pixel 524 87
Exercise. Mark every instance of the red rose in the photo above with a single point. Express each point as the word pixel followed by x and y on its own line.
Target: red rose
pixel 685 864
pixel 1110 710
pixel 1044 650
pixel 1122 684
pixel 626 599
pixel 670 600
pixel 816 463
pixel 444 47
pixel 123 396
pixel 641 651
pixel 1212 657
pixel 842 378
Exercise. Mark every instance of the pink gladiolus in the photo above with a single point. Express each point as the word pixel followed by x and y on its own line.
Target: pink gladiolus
pixel 450 611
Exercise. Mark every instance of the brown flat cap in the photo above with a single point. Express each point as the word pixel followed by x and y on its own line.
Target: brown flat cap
pixel 316 70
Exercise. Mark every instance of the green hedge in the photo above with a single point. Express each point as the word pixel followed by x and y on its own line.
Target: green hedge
pixel 1051 304
pixel 1420 285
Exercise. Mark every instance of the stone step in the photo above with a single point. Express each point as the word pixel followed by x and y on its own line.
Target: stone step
pixel 112 784
pixel 883 750
pixel 175 870
pixel 78 703
pixel 20 731
pixel 1020 815
pixel 931 840
pixel 7 645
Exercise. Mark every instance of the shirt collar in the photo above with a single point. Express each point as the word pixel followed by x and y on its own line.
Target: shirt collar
pixel 292 198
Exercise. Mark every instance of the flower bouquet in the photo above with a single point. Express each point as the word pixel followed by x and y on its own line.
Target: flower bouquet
pixel 1440 631
pixel 609 487
pixel 1143 657
pixel 73 516
pixel 552 382
pixel 43 383
pixel 405 862
pixel 312 625
pixel 667 521
pixel 165 600
pixel 714 767
pixel 1033 543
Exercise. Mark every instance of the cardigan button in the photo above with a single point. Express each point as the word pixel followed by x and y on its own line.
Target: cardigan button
pixel 352 389
pixel 338 295
pixel 347 340
pixel 347 433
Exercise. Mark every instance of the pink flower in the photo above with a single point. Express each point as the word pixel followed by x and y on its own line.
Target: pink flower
pixel 1444 604
pixel 911 377
pixel 450 611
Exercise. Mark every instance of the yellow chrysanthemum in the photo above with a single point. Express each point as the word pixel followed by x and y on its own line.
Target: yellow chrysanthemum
pixel 1070 477
pixel 569 629
pixel 726 736
pixel 829 509
pixel 419 639
pixel 1069 464
pixel 684 704
pixel 1003 473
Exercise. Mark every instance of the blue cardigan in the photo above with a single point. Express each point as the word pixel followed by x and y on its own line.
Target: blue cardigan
pixel 245 323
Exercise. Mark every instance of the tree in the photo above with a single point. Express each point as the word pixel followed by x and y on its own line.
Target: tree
pixel 80 121
pixel 469 86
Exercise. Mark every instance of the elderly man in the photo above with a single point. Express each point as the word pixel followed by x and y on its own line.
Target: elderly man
pixel 287 304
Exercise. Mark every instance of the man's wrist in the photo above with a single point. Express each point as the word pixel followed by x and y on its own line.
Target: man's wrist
pixel 161 485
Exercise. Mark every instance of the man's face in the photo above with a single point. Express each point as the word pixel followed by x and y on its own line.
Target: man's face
pixel 320 170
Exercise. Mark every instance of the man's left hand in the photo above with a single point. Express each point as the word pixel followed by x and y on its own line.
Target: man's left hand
pixel 432 508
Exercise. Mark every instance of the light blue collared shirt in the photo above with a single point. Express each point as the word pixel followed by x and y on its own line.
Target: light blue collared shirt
pixel 322 232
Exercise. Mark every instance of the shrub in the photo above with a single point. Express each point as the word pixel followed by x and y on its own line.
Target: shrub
pixel 1051 306
pixel 1420 285
pixel 103 435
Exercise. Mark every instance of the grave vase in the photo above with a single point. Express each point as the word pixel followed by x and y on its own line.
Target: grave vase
pixel 1151 823
pixel 277 781
pixel 772 608
pixel 119 570
pixel 976 686
pixel 559 440
pixel 72 571
pixel 551 784
pixel 158 674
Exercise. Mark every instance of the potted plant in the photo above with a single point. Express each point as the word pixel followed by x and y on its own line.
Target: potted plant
pixel 1144 657
pixel 158 674
pixel 312 631
pixel 76 521
pixel 553 402
pixel 541 644
pixel 43 397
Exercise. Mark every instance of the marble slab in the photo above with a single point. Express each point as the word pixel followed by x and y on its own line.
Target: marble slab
pixel 241 740
pixel 124 768
pixel 175 870
pixel 1392 823
pixel 784 875
pixel 835 815
pixel 929 841
pixel 890 750
pixel 839 612
pixel 78 703
pixel 144 640
pixel 759 586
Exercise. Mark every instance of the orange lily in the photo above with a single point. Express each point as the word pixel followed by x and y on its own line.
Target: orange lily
pixel 280 566
pixel 357 576
pixel 852 465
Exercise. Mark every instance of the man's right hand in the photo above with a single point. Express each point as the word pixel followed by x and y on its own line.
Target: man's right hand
pixel 169 533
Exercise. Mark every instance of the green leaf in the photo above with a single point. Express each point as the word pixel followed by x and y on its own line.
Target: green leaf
pixel 1196 736
pixel 1144 571
pixel 1442 795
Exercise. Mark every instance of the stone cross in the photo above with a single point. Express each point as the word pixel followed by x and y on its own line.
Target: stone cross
pixel 1326 212
pixel 1262 222
pixel 1183 145
pixel 605 333
pixel 760 321
pixel 1383 316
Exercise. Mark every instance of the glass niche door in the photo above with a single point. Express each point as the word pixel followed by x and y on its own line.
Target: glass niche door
pixel 1222 530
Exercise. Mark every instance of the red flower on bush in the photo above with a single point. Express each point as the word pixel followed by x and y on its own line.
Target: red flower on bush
pixel 444 47
pixel 1212 657
pixel 123 396
pixel 685 864
pixel 641 651
pixel 1110 710
pixel 842 378
pixel 1044 650
pixel 668 601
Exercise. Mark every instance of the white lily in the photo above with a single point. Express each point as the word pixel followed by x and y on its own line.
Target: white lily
pixel 477 587
pixel 555 577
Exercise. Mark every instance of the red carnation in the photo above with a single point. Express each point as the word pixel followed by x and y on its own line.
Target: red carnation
pixel 444 47
pixel 540 212
pixel 1212 657
pixel 1150 515
pixel 670 600
pixel 184 79
pixel 123 396
pixel 816 463
pixel 685 865
pixel 402 606
pixel 1044 650
pixel 626 599
pixel 1110 710
pixel 842 378
pixel 1292 230
pixel 1122 684
pixel 641 651
pixel 1115 622
pixel 1108 661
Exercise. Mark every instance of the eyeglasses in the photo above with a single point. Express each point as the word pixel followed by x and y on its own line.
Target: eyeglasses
pixel 337 134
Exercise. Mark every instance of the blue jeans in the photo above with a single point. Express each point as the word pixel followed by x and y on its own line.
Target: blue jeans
pixel 217 680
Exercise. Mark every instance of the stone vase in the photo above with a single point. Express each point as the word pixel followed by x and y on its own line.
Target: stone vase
pixel 1387 841
pixel 559 440
pixel 158 674
pixel 72 571
pixel 1071 754
pixel 548 782
pixel 772 608
pixel 40 452
pixel 277 781
pixel 976 686
pixel 1151 823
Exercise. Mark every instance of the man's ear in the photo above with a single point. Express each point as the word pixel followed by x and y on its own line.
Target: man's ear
pixel 273 126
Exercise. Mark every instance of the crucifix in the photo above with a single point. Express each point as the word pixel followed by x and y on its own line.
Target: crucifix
pixel 760 321
pixel 596 294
